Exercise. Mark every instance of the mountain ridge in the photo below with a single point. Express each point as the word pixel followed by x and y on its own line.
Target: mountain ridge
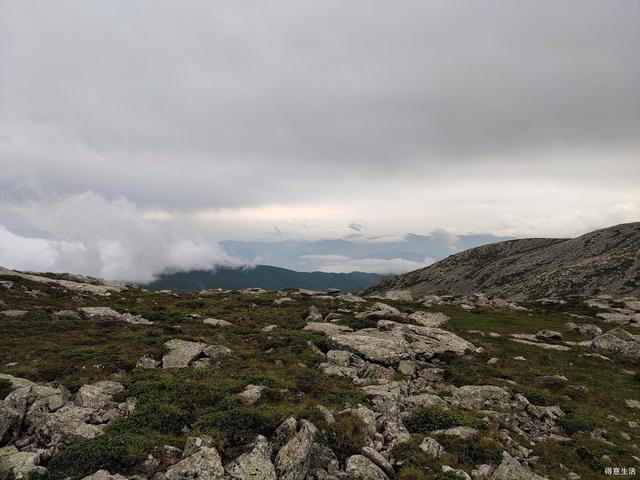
pixel 261 276
pixel 602 262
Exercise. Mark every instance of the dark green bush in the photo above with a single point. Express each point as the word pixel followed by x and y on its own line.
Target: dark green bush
pixel 237 425
pixel 474 452
pixel 154 417
pixel 119 452
pixel 5 387
pixel 575 423
pixel 589 458
pixel 428 419
pixel 347 436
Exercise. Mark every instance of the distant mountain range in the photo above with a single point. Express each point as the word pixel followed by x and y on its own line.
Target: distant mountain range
pixel 358 252
pixel 262 276
pixel 603 262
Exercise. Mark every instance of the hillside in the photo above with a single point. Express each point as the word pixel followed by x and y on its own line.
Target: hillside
pixel 262 276
pixel 603 262
pixel 102 381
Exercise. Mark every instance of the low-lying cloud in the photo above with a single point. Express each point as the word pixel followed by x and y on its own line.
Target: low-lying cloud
pixel 86 233
pixel 375 265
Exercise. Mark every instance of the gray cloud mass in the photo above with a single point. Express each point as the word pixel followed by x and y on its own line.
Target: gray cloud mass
pixel 230 119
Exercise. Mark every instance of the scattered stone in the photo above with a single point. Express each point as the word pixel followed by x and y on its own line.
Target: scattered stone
pixel 216 322
pixel 569 326
pixel 67 314
pixel 147 362
pixel 99 314
pixel 283 300
pixel 511 469
pixel 589 330
pixel 269 328
pixel 182 353
pixel 14 313
pixel 520 358
pixel 464 433
pixel 429 319
pixel 633 403
pixel 461 474
pixel 431 447
pixel 327 328
pixel 293 460
pixel 407 367
pixel 104 475
pixel 360 467
pixel 493 361
pixel 377 458
pixel 326 414
pixel 215 352
pixel 205 464
pixel 251 394
pixel 98 395
pixel 19 465
pixel 254 465
pixel 314 315
pixel 10 420
pixel 619 340
pixel 6 284
pixel 549 335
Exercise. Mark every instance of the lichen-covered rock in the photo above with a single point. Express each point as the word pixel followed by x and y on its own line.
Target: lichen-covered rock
pixel 293 460
pixel 431 447
pixel 19 465
pixel 370 344
pixel 216 322
pixel 182 353
pixel 314 315
pixel 481 397
pixel 284 433
pixel 327 328
pixel 464 433
pixel 511 469
pixel 10 420
pixel 215 352
pixel 255 464
pixel 549 335
pixel 147 362
pixel 619 340
pixel 98 395
pixel 104 475
pixel 251 394
pixel 429 319
pixel 360 467
pixel 377 458
pixel 205 464
pixel 99 314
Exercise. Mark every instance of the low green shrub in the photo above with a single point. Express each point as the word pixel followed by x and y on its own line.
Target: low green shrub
pixel 427 419
pixel 574 423
pixel 347 436
pixel 115 452
pixel 5 387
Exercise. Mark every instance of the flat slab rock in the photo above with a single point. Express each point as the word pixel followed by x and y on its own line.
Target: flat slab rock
pixel 392 342
pixel 182 353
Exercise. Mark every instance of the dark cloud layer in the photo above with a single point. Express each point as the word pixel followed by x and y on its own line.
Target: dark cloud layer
pixel 405 115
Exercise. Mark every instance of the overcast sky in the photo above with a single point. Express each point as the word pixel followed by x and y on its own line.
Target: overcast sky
pixel 135 134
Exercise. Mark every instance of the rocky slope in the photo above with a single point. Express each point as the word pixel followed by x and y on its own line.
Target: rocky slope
pixel 120 383
pixel 604 262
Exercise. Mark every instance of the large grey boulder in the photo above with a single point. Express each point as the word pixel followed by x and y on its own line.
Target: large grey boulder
pixel 429 319
pixel 373 345
pixel 70 424
pixel 327 328
pixel 182 353
pixel 548 335
pixel 19 465
pixel 511 469
pixel 205 464
pixel 215 352
pixel 619 340
pixel 251 394
pixel 293 460
pixel 98 395
pixel 104 475
pixel 254 465
pixel 360 467
pixel 589 330
pixel 99 314
pixel 10 420
pixel 431 448
pixel 481 397
pixel 14 313
pixel 314 315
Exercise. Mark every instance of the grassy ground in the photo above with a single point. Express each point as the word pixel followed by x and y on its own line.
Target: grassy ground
pixel 174 404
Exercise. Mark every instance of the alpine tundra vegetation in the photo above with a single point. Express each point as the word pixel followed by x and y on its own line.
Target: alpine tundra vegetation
pixel 106 381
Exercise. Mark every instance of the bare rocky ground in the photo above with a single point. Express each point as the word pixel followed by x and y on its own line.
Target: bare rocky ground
pixel 103 381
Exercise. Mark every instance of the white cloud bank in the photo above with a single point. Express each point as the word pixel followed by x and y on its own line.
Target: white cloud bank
pixel 375 265
pixel 86 233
